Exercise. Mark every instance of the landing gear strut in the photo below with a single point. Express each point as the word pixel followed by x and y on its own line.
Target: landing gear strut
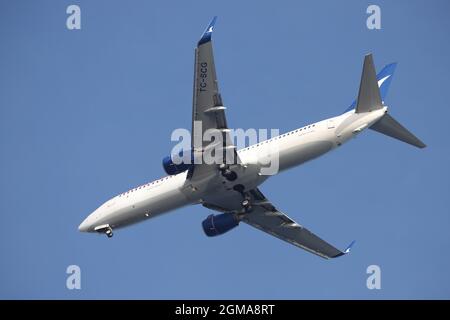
pixel 109 232
pixel 106 229
pixel 246 204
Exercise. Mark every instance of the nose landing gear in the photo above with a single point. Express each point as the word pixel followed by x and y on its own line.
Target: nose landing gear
pixel 106 229
pixel 109 232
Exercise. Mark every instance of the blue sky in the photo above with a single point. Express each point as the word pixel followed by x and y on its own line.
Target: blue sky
pixel 87 114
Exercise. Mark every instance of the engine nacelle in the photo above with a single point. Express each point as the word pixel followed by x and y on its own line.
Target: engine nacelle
pixel 215 225
pixel 172 168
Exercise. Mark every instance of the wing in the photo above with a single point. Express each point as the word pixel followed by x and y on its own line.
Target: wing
pixel 208 112
pixel 264 216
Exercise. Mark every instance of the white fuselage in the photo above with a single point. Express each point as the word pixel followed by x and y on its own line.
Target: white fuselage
pixel 171 192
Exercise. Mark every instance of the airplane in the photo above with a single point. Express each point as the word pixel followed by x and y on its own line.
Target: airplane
pixel 232 187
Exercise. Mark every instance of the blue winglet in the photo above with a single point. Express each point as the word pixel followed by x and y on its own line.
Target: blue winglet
pixel 347 250
pixel 206 37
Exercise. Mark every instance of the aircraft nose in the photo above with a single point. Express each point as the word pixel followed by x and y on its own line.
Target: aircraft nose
pixel 84 226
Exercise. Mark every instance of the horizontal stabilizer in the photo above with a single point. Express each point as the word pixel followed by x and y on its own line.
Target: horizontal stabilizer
pixel 390 127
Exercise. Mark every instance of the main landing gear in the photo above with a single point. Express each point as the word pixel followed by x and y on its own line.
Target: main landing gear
pixel 227 173
pixel 232 176
pixel 246 204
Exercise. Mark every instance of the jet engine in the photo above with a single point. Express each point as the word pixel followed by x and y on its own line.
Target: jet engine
pixel 172 168
pixel 215 225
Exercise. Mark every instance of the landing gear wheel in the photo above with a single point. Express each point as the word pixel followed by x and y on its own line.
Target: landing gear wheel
pixel 246 203
pixel 109 233
pixel 229 175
